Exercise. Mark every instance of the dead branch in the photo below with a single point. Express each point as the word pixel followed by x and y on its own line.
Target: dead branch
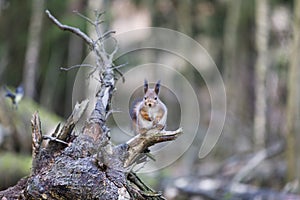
pixel 141 142
pixel 76 31
pixel 77 66
pixel 256 160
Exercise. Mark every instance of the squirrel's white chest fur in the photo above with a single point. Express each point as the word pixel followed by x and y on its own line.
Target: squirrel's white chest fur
pixel 153 116
pixel 153 112
pixel 144 123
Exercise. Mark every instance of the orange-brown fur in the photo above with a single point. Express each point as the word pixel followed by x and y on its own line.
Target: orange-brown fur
pixel 149 113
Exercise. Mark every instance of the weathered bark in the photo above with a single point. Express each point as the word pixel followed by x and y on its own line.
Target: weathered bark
pixel 87 165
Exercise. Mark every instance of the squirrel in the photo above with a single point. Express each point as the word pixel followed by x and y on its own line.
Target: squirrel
pixel 150 112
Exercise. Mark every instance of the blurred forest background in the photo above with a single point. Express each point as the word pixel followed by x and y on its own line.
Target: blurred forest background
pixel 255 44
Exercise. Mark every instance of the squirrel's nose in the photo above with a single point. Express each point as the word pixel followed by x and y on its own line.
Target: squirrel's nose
pixel 149 104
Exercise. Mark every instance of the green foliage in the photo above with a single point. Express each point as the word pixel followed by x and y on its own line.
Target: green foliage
pixel 12 168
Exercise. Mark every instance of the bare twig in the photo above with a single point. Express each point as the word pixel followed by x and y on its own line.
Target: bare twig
pixel 116 68
pixel 100 51
pixel 116 48
pixel 120 66
pixel 47 137
pixel 88 19
pixel 98 14
pixel 76 31
pixel 84 17
pixel 111 112
pixel 107 34
pixel 77 66
pixel 121 74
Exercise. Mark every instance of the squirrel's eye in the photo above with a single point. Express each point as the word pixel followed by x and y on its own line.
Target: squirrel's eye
pixel 145 98
pixel 155 98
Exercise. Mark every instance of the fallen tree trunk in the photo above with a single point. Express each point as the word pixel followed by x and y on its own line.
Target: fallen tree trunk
pixel 216 189
pixel 227 183
pixel 87 165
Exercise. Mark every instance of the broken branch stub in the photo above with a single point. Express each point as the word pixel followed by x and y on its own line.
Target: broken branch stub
pixel 141 142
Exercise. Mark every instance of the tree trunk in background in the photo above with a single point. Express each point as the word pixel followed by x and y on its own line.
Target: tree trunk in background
pixel 261 37
pixel 75 51
pixel 33 47
pixel 50 85
pixel 293 104
pixel 74 58
pixel 230 63
pixel 184 17
pixel 4 59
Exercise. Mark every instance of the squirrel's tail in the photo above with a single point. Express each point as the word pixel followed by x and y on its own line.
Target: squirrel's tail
pixel 132 112
pixel 132 108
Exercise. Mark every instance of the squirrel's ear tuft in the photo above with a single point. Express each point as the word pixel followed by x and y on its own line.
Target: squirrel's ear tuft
pixel 145 86
pixel 157 86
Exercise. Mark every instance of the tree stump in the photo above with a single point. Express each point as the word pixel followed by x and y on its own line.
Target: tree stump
pixel 87 165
